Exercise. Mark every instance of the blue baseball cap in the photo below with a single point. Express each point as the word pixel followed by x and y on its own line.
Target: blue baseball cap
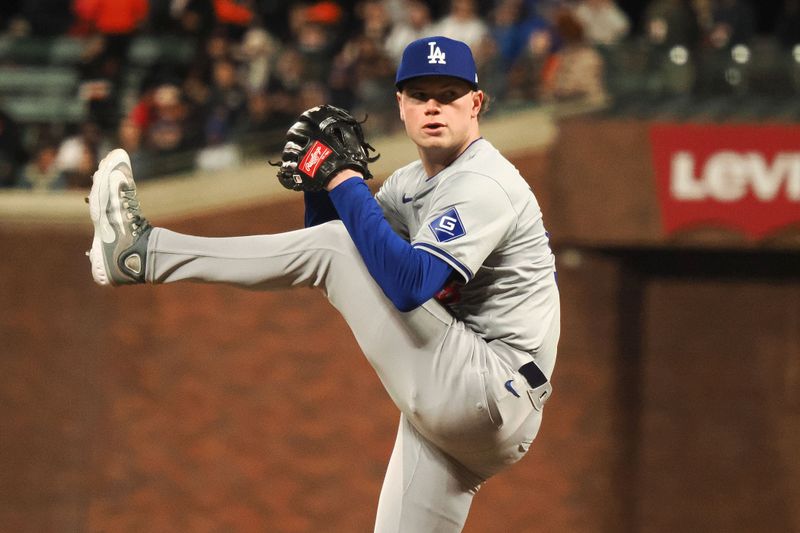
pixel 437 56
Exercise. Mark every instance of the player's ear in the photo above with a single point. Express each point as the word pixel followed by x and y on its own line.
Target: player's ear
pixel 400 105
pixel 477 102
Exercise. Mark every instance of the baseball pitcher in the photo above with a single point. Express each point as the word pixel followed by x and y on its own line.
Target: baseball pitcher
pixel 450 257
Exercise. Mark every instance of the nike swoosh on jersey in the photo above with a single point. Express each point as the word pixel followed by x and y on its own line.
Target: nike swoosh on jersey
pixel 510 388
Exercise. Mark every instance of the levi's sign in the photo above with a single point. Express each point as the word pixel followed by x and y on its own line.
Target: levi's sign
pixel 744 177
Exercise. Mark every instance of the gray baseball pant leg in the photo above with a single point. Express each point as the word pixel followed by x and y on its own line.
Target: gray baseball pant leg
pixel 443 377
pixel 424 490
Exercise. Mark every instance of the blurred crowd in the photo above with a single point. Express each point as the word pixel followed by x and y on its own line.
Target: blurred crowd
pixel 256 64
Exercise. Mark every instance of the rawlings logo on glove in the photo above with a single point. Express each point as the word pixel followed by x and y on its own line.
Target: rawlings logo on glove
pixel 323 141
pixel 318 153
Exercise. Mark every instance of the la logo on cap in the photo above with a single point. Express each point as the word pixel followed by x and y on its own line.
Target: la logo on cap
pixel 436 55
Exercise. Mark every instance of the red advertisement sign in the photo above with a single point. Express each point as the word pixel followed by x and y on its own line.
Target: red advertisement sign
pixel 739 176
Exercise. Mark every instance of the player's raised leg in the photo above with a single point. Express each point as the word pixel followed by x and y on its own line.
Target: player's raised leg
pixel 447 380
pixel 120 231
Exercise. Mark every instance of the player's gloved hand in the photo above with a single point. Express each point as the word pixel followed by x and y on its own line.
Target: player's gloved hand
pixel 323 141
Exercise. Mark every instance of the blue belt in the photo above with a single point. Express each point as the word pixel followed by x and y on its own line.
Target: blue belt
pixel 533 374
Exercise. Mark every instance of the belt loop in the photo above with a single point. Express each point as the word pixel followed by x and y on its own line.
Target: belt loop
pixel 540 395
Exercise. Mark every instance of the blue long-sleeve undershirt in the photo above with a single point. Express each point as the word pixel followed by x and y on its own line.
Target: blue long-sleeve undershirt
pixel 319 208
pixel 408 276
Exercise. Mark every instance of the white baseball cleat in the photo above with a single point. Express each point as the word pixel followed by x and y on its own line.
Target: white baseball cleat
pixel 119 249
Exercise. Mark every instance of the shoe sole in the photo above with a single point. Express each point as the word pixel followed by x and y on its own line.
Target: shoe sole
pixel 99 198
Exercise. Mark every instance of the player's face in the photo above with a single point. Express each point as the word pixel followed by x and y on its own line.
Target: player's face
pixel 440 114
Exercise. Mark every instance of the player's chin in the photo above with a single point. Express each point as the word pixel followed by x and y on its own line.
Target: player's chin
pixel 437 140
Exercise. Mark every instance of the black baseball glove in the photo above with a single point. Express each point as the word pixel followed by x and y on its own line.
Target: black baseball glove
pixel 323 141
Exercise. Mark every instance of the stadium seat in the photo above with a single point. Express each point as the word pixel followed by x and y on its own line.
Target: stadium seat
pixel 44 109
pixel 37 80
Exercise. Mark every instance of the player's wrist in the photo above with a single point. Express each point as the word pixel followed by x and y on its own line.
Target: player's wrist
pixel 342 176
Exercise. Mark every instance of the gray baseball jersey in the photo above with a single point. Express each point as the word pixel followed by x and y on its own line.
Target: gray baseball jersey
pixel 481 217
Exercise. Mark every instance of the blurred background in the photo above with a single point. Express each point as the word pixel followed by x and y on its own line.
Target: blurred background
pixel 661 138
